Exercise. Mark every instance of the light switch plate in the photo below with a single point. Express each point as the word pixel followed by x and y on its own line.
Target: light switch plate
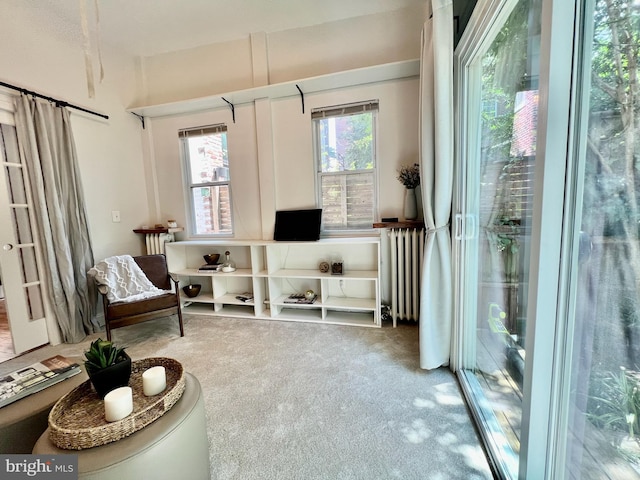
pixel 115 216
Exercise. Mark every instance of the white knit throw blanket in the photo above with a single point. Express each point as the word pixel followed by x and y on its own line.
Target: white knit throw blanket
pixel 124 279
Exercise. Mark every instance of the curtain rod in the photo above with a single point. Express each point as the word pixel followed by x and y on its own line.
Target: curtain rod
pixel 60 103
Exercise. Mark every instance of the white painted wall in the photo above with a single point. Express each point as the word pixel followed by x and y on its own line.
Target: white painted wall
pixel 197 72
pixel 138 172
pixel 39 55
pixel 290 172
pixel 270 145
pixel 283 56
pixel 397 142
pixel 241 141
pixel 345 45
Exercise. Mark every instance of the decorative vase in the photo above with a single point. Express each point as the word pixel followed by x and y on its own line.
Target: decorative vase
pixel 229 265
pixel 410 204
pixel 112 377
pixel 192 290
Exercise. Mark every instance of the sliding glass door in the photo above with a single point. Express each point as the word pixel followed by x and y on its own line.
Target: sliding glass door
pixel 498 201
pixel 548 235
pixel 601 397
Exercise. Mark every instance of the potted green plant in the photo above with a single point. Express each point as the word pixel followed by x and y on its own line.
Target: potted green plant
pixel 108 366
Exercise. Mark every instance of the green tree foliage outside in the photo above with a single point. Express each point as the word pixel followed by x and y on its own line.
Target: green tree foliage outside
pixel 353 149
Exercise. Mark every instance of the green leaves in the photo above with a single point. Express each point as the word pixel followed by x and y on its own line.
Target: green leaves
pixel 102 354
pixel 615 402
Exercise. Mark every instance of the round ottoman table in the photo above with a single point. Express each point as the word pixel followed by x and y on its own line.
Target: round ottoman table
pixel 173 446
pixel 22 422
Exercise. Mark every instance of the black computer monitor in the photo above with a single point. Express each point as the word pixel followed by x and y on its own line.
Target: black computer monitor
pixel 298 225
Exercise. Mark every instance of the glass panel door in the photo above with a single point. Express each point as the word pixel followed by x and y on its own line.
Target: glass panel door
pixel 18 255
pixel 602 435
pixel 498 184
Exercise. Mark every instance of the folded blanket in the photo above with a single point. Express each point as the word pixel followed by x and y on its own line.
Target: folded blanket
pixel 124 279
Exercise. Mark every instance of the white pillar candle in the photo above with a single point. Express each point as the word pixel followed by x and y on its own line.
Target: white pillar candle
pixel 118 404
pixel 154 381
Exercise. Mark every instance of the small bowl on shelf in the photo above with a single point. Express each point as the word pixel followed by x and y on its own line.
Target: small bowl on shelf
pixel 211 258
pixel 192 290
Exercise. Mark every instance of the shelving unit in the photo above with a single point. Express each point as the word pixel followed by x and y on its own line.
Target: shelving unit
pixel 347 78
pixel 272 271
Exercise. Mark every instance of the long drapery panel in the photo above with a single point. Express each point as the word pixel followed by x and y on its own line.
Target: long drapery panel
pixel 436 165
pixel 48 150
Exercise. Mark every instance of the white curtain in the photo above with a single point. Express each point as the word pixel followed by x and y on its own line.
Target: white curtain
pixel 436 173
pixel 46 145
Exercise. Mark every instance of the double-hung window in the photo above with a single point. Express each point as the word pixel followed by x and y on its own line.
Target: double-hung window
pixel 206 164
pixel 345 152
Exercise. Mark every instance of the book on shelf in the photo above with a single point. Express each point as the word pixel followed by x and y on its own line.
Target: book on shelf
pixel 35 377
pixel 300 299
pixel 207 267
pixel 245 297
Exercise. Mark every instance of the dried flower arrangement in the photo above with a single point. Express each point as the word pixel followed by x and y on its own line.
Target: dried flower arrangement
pixel 409 175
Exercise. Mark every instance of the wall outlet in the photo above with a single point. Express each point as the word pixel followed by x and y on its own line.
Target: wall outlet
pixel 115 216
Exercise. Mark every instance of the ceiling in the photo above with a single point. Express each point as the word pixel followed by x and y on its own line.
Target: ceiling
pixel 150 27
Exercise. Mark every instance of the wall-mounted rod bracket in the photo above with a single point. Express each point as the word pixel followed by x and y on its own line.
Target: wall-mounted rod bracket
pixel 301 96
pixel 233 109
pixel 141 118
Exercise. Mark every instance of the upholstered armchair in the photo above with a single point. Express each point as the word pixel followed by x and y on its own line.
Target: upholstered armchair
pixel 120 314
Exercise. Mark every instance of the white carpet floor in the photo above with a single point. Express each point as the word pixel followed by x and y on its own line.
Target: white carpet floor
pixel 289 400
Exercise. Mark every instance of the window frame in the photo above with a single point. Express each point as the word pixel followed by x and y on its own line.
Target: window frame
pixel 337 111
pixel 189 185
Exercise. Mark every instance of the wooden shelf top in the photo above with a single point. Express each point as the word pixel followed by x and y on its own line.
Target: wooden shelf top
pixel 399 224
pixel 158 230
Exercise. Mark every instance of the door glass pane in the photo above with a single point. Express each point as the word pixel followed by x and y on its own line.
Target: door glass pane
pixel 28 265
pixel 604 408
pixel 33 296
pixel 499 179
pixel 16 187
pixel 22 224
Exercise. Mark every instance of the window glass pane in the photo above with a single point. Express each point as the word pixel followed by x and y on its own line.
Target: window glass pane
pixel 604 418
pixel 208 159
pixel 346 143
pixel 211 209
pixel 347 201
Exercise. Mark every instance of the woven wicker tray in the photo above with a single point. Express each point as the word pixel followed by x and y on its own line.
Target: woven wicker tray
pixel 77 419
